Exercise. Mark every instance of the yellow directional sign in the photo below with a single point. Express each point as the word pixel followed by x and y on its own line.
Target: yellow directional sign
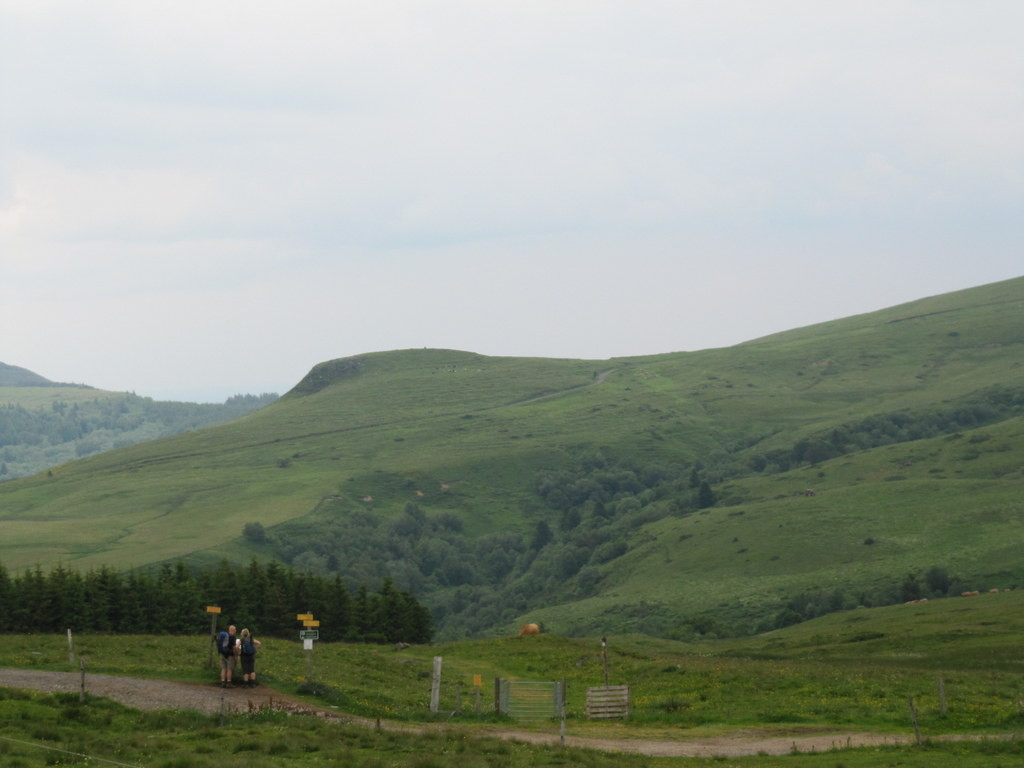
pixel 311 623
pixel 478 680
pixel 213 609
pixel 304 617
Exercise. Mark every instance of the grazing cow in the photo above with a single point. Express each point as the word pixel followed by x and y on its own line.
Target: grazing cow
pixel 529 629
pixel 972 593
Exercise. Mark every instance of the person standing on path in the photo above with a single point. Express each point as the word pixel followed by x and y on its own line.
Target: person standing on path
pixel 248 645
pixel 228 646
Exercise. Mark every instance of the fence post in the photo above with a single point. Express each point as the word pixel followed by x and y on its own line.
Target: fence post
pixel 942 697
pixel 562 696
pixel 435 687
pixel 81 692
pixel 913 719
pixel 604 655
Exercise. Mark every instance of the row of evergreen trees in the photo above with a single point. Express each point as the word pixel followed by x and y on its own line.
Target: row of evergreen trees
pixel 173 600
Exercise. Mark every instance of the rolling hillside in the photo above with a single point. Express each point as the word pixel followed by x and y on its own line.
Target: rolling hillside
pixel 45 423
pixel 686 494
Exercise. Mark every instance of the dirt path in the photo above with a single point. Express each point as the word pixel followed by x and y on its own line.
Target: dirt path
pixel 162 694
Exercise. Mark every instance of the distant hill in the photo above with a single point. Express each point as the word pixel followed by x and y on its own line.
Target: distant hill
pixel 13 376
pixel 864 461
pixel 44 423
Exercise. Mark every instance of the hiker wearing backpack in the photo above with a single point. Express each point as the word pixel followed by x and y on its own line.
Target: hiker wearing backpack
pixel 248 645
pixel 227 644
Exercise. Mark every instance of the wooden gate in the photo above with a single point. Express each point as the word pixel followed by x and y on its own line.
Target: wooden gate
pixel 608 701
pixel 527 700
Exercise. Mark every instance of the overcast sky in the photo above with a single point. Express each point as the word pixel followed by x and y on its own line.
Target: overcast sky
pixel 199 199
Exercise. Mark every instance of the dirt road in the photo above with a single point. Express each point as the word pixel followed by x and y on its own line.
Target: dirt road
pixel 162 694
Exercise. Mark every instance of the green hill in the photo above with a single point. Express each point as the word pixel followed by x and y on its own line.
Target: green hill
pixel 44 423
pixel 13 376
pixel 860 461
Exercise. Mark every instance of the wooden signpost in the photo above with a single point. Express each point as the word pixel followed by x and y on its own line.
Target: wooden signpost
pixel 214 611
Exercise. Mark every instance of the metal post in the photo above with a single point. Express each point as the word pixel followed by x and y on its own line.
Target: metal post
pixel 604 656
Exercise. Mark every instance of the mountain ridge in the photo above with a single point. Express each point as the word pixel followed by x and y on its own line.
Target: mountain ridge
pixel 14 376
pixel 577 491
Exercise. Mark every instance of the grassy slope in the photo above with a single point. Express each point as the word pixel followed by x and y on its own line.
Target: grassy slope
pixel 965 515
pixel 455 431
pixel 36 398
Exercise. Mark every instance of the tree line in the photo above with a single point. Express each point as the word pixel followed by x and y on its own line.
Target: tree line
pixel 172 599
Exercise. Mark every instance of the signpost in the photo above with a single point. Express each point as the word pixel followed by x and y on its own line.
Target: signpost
pixel 307 636
pixel 214 611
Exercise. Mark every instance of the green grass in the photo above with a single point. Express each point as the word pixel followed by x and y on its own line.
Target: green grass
pixel 45 730
pixel 41 730
pixel 850 672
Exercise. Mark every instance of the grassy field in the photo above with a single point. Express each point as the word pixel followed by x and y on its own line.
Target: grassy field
pixel 849 672
pixel 46 730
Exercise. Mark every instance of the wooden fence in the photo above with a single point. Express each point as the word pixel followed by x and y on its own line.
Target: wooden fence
pixel 608 701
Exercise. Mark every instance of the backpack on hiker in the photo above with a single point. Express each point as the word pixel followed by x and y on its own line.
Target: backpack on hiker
pixel 248 646
pixel 226 644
